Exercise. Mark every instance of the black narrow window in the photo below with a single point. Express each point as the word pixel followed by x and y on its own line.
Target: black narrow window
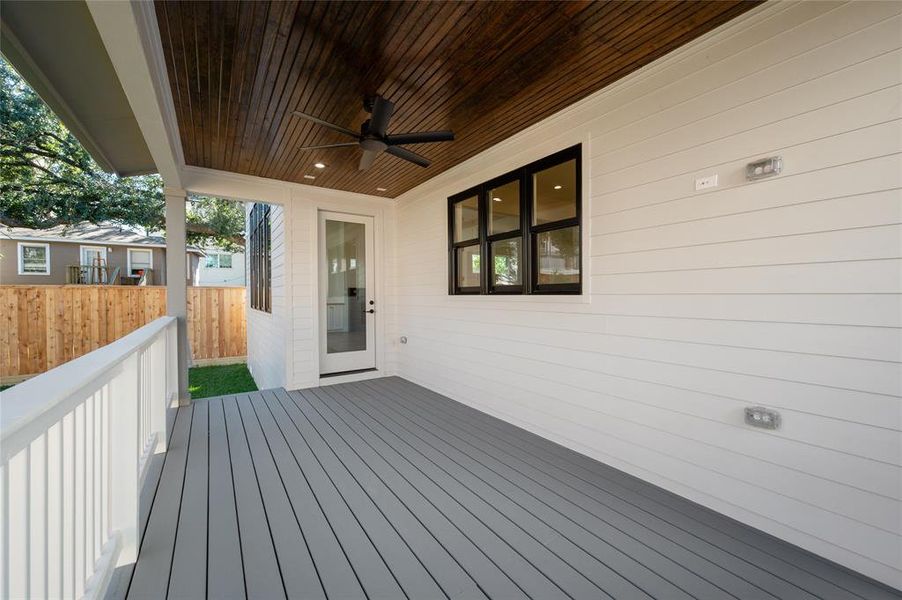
pixel 554 206
pixel 258 242
pixel 464 233
pixel 519 233
pixel 504 235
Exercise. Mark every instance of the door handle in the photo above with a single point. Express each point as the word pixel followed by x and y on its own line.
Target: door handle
pixel 371 311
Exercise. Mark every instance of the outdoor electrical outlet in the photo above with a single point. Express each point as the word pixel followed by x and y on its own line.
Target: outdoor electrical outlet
pixel 765 418
pixel 704 183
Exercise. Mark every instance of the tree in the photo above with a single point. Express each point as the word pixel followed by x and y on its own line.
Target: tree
pixel 48 179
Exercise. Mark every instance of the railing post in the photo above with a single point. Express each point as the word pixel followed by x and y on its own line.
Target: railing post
pixel 159 389
pixel 126 444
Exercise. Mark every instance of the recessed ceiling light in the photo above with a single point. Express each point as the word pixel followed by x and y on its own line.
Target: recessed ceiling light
pixel 381 189
pixel 309 177
pixel 319 165
pixel 497 199
pixel 557 187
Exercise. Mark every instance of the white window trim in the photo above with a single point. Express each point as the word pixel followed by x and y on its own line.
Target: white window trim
pixel 81 252
pixel 128 259
pixel 21 264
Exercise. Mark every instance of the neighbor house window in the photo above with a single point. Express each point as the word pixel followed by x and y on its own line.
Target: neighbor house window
pixel 218 261
pixel 34 259
pixel 258 242
pixel 519 233
pixel 139 261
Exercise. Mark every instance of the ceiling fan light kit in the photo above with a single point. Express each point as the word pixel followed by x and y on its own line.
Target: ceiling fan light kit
pixel 374 138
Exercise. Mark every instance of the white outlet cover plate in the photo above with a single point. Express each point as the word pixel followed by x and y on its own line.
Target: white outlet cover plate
pixel 704 183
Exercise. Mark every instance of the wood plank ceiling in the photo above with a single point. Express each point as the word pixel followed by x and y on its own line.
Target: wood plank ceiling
pixel 485 70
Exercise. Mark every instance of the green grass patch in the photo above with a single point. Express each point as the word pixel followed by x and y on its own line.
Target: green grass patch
pixel 220 380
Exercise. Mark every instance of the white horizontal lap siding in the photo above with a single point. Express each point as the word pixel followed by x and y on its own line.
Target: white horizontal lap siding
pixel 304 303
pixel 783 292
pixel 267 332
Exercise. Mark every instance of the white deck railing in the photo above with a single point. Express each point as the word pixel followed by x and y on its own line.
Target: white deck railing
pixel 75 443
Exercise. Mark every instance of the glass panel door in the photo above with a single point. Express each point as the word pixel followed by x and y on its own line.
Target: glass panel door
pixel 347 302
pixel 93 264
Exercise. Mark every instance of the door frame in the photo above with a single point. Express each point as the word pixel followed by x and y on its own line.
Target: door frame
pixel 373 274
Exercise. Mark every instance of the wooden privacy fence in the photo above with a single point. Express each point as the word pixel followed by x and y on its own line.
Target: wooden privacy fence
pixel 44 326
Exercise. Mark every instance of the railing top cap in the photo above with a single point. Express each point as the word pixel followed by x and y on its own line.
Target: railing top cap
pixel 23 406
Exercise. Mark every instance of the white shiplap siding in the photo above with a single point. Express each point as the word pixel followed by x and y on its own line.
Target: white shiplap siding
pixel 267 341
pixel 783 292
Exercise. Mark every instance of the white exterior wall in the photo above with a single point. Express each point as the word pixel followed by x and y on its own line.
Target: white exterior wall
pixel 233 277
pixel 282 347
pixel 267 333
pixel 783 292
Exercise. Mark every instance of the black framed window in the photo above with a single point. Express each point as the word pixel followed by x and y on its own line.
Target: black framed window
pixel 259 263
pixel 519 233
pixel 465 224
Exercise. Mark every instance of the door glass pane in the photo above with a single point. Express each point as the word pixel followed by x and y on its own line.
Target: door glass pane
pixel 468 266
pixel 346 301
pixel 504 208
pixel 554 193
pixel 558 255
pixel 506 262
pixel 93 261
pixel 466 219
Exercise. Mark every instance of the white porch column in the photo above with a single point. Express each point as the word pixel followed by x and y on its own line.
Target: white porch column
pixel 176 282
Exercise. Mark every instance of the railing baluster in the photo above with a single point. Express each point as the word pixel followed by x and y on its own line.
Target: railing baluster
pixel 55 511
pixel 4 534
pixel 78 507
pixel 37 513
pixel 89 486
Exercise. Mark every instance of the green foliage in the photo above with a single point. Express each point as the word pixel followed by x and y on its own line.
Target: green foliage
pixel 206 382
pixel 47 179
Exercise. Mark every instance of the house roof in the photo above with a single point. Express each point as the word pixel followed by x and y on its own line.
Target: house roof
pixel 109 234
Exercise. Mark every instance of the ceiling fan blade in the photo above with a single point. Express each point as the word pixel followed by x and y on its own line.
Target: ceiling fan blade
pixel 382 112
pixel 366 161
pixel 422 137
pixel 331 126
pixel 408 155
pixel 342 145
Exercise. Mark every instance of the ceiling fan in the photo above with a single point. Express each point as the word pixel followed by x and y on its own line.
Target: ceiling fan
pixel 374 139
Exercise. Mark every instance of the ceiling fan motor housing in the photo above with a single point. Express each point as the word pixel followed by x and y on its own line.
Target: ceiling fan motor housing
pixel 373 143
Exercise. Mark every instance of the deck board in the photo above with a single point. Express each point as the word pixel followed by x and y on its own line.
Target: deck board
pixel 225 568
pixel 383 489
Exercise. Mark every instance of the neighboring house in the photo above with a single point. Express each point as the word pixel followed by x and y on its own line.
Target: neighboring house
pixel 86 254
pixel 221 268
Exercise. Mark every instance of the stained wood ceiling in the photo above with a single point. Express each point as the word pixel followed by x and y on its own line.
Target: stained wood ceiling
pixel 485 70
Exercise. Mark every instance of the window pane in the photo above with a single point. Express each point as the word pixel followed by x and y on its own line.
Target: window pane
pixel 558 256
pixel 554 193
pixel 506 262
pixel 225 261
pixel 140 260
pixel 466 219
pixel 34 259
pixel 210 263
pixel 504 208
pixel 346 296
pixel 468 266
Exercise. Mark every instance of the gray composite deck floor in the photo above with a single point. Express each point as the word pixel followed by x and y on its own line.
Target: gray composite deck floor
pixel 384 489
